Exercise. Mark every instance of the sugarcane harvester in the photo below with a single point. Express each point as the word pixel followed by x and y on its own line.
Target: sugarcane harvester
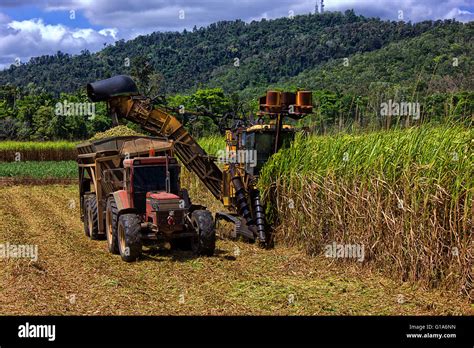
pixel 235 184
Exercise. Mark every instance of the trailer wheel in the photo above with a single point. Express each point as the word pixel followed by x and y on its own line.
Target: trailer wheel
pixel 111 217
pixel 204 243
pixel 129 237
pixel 86 214
pixel 91 221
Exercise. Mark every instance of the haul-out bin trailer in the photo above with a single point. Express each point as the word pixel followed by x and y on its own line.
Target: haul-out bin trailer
pixel 130 194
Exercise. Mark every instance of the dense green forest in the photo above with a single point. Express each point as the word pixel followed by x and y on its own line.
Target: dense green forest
pixel 267 51
pixel 439 60
pixel 351 63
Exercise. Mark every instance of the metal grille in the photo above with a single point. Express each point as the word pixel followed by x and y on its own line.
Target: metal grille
pixel 163 217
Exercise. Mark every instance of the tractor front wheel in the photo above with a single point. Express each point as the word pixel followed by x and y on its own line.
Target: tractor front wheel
pixel 204 243
pixel 129 237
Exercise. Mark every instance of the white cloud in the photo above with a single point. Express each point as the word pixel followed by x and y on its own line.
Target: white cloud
pixel 461 15
pixel 24 39
pixel 4 18
pixel 163 14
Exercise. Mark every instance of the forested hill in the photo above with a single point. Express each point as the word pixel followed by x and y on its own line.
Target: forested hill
pixel 440 60
pixel 239 55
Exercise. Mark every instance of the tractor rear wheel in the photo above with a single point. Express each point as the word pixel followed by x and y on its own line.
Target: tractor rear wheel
pixel 129 237
pixel 91 220
pixel 111 217
pixel 204 243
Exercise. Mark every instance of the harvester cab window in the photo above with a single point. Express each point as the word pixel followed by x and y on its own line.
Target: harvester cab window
pixel 264 143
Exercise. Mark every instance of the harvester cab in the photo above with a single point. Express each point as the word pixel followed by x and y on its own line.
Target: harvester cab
pixel 258 142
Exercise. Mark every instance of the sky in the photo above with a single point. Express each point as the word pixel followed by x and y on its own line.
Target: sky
pixel 31 28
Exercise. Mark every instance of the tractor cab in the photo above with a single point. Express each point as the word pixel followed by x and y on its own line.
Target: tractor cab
pixel 154 187
pixel 152 175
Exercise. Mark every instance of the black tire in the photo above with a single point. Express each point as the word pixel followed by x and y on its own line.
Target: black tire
pixel 111 221
pixel 84 220
pixel 91 220
pixel 129 237
pixel 204 243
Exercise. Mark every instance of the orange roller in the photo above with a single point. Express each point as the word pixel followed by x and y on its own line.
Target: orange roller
pixel 304 98
pixel 273 98
pixel 288 98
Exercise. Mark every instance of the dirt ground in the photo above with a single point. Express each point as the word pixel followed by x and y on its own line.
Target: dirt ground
pixel 74 275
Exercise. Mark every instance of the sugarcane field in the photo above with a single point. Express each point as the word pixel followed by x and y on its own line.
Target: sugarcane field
pixel 282 160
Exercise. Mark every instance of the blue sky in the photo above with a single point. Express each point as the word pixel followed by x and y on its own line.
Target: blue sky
pixel 36 27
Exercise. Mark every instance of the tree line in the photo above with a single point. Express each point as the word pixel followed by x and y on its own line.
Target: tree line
pixel 28 115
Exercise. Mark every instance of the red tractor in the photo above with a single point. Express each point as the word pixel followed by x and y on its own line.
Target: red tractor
pixel 137 199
